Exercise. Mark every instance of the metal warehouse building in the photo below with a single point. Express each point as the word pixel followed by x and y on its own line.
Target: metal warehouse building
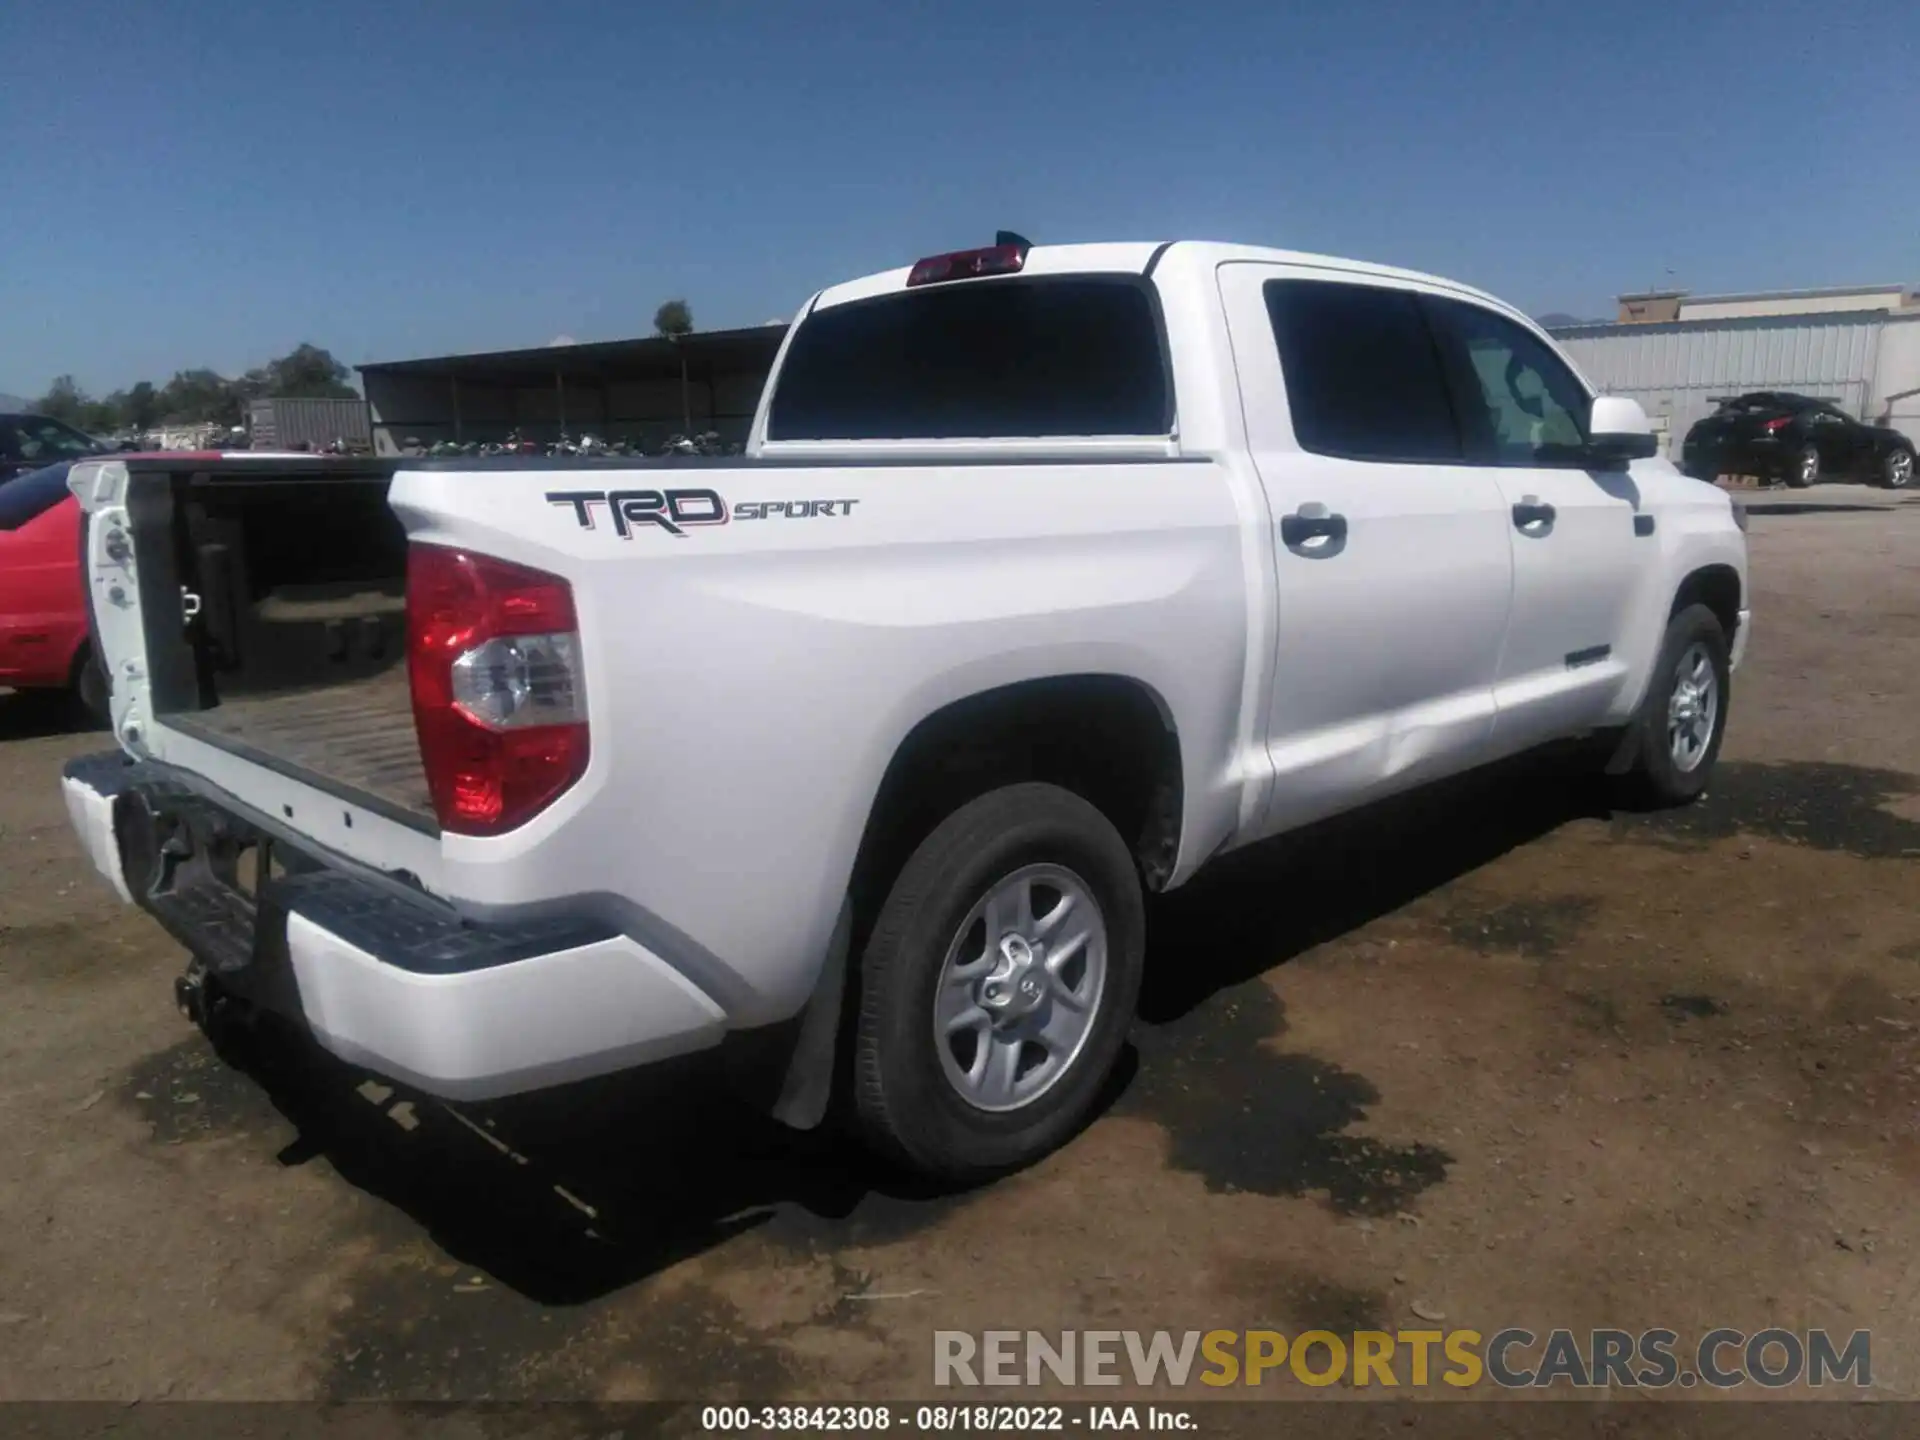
pixel 643 390
pixel 1858 348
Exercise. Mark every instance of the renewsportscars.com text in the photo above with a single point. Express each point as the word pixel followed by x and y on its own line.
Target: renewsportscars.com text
pixel 1512 1358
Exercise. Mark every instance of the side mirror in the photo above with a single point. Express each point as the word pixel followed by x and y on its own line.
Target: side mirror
pixel 1618 432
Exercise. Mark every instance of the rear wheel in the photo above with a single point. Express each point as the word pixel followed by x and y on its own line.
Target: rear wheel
pixel 1896 470
pixel 1684 715
pixel 1805 469
pixel 997 986
pixel 90 690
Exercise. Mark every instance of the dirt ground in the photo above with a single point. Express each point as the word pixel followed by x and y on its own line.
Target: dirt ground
pixel 1498 1053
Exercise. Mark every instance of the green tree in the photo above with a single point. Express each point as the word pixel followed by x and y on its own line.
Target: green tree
pixel 310 372
pixel 198 397
pixel 64 400
pixel 140 407
pixel 256 384
pixel 99 417
pixel 673 319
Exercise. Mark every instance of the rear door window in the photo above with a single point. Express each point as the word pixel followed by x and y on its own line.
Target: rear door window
pixel 1047 356
pixel 1362 372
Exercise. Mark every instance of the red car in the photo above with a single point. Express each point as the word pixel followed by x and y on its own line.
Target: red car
pixel 43 607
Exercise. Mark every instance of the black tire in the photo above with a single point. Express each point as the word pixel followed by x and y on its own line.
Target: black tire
pixel 904 1104
pixel 1656 779
pixel 1805 469
pixel 91 694
pixel 1896 469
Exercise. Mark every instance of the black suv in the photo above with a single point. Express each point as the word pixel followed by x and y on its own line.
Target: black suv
pixel 1797 439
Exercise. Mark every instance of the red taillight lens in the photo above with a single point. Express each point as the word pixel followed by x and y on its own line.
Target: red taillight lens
pixel 493 654
pixel 964 264
pixel 1779 423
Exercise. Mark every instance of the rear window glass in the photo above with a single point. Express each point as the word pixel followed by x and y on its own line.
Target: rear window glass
pixel 42 439
pixel 27 497
pixel 1077 355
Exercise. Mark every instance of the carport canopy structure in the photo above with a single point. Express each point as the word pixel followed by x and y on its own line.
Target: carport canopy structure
pixel 645 390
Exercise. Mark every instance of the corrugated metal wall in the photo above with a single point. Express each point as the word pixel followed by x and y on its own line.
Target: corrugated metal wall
pixel 1896 397
pixel 277 424
pixel 1678 371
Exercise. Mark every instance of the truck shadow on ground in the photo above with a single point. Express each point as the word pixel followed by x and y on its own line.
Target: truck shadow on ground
pixel 1812 507
pixel 1262 906
pixel 41 714
pixel 569 1195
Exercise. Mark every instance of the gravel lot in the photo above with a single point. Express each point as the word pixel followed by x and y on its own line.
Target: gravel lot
pixel 1497 1052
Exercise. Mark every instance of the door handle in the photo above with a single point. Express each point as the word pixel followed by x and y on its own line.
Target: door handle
pixel 1311 522
pixel 1533 516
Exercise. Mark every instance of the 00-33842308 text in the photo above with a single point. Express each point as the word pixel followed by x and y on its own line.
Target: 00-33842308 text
pixel 859 1419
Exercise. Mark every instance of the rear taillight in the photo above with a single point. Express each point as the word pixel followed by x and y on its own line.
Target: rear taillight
pixel 493 653
pixel 1778 423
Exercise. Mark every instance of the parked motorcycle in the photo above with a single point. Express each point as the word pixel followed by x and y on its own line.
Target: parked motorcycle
pixel 590 445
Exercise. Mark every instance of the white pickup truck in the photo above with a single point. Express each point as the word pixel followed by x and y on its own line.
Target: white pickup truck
pixel 1049 574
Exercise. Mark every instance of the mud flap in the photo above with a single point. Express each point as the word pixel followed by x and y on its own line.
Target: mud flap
pixel 807 1085
pixel 1626 752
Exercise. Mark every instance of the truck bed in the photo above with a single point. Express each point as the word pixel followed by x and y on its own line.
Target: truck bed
pixel 355 739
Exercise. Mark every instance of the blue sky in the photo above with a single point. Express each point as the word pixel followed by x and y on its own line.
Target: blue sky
pixel 211 183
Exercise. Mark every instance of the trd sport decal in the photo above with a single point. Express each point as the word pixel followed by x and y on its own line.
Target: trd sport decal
pixel 674 511
pixel 671 510
pixel 791 509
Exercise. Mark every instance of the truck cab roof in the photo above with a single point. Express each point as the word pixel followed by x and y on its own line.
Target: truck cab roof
pixel 1136 257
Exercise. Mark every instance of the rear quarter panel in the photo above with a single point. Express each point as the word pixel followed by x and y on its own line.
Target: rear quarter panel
pixel 749 682
pixel 43 608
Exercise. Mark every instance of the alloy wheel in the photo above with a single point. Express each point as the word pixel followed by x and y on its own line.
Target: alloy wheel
pixel 1020 988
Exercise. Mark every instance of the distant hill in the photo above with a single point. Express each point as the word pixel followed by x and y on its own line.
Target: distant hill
pixel 1554 319
pixel 13 404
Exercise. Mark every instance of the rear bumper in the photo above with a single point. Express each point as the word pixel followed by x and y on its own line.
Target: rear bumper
pixel 383 977
pixel 91 812
pixel 1766 457
pixel 1741 631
